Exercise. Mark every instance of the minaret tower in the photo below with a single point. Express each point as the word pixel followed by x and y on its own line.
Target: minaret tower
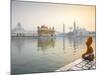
pixel 74 26
pixel 63 28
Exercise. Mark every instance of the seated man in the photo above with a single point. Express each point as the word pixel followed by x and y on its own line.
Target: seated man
pixel 88 55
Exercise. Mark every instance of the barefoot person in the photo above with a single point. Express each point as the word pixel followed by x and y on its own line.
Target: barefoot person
pixel 88 55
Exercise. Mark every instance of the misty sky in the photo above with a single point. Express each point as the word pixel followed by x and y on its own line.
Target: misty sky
pixel 32 14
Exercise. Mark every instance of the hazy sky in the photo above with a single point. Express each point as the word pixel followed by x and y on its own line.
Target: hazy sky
pixel 32 14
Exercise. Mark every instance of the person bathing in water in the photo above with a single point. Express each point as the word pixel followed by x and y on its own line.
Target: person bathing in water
pixel 88 55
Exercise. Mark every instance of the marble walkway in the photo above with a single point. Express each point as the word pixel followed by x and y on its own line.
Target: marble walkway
pixel 78 65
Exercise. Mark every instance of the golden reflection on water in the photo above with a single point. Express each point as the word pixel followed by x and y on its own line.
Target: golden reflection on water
pixel 45 43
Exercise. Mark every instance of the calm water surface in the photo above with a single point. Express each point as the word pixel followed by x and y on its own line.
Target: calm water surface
pixel 32 54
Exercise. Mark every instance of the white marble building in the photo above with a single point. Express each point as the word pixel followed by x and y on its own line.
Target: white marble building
pixel 20 31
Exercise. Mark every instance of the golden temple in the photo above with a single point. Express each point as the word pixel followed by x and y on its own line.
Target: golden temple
pixel 45 31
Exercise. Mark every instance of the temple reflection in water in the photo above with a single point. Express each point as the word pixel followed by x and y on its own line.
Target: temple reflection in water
pixel 46 42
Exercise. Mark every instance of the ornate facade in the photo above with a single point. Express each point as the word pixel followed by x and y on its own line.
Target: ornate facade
pixel 45 31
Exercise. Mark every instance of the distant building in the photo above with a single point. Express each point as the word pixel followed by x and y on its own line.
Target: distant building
pixel 77 31
pixel 92 33
pixel 45 31
pixel 74 27
pixel 18 30
pixel 63 28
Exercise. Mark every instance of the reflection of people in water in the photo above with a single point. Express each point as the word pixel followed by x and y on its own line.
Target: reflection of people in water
pixel 88 55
